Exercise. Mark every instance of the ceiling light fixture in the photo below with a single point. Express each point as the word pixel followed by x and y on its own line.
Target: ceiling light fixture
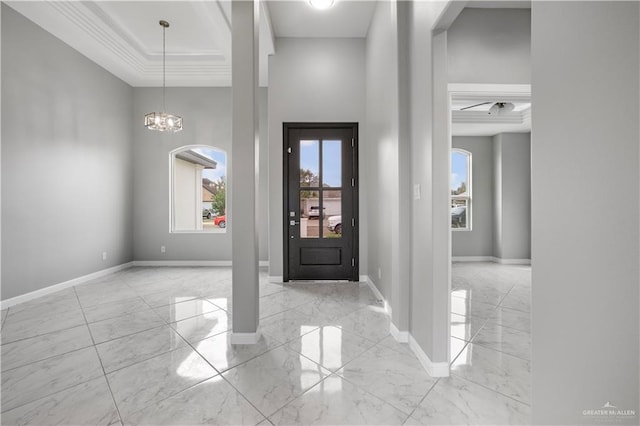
pixel 501 108
pixel 162 121
pixel 321 4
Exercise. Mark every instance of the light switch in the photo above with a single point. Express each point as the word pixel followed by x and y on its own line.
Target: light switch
pixel 416 191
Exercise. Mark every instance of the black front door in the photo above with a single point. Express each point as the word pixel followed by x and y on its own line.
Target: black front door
pixel 320 201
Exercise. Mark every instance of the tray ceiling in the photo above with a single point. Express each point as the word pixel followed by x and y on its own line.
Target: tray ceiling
pixel 478 122
pixel 125 38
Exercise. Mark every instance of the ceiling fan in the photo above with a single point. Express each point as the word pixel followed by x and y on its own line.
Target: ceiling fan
pixel 498 108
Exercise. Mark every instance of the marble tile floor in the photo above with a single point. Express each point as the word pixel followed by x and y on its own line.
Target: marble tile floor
pixel 490 344
pixel 151 346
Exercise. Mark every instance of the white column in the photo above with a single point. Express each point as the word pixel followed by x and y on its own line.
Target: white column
pixel 244 93
pixel 441 156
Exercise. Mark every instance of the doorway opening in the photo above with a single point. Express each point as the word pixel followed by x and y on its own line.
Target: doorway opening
pixel 490 220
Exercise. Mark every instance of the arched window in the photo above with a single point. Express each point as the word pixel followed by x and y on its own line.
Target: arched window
pixel 460 183
pixel 198 189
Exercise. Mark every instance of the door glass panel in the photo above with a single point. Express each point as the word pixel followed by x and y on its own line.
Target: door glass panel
pixel 332 202
pixel 332 163
pixel 310 163
pixel 309 214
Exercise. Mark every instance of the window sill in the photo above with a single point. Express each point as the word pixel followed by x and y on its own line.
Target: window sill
pixel 204 231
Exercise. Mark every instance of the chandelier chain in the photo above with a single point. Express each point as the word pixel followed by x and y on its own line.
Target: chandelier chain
pixel 164 78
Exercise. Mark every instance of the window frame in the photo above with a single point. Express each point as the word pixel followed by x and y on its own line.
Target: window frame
pixel 467 198
pixel 172 215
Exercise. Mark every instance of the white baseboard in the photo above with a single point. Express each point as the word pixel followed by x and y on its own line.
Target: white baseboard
pixel 400 336
pixel 491 259
pixel 472 258
pixel 434 369
pixel 4 304
pixel 373 288
pixel 512 261
pixel 275 278
pixel 377 294
pixel 61 286
pixel 245 338
pixel 181 263
pixel 189 263
pixel 363 278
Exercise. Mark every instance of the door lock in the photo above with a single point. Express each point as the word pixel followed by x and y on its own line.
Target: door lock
pixel 293 223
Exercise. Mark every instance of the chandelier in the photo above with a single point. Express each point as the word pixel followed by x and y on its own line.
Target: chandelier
pixel 162 121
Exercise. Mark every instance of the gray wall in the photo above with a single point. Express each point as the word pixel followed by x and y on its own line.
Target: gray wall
pixel 501 197
pixel 388 135
pixel 382 138
pixel 207 120
pixel 429 304
pixel 66 161
pixel 512 189
pixel 313 80
pixel 490 46
pixel 263 176
pixel 478 241
pixel 585 193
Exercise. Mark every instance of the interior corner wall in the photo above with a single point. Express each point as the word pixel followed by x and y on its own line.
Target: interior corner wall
pixel 479 240
pixel 490 46
pixel 383 140
pixel 207 121
pixel 66 161
pixel 585 199
pixel 314 80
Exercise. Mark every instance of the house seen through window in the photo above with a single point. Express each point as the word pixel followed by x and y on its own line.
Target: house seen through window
pixel 460 189
pixel 198 189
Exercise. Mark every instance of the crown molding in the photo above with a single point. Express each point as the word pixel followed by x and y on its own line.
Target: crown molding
pixel 96 33
pixel 483 117
pixel 480 122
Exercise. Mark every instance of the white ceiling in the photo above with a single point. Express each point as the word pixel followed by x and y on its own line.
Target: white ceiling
pixel 501 4
pixel 485 129
pixel 344 19
pixel 125 37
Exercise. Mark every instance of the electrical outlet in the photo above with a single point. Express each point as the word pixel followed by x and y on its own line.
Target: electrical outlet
pixel 104 255
pixel 379 273
pixel 163 249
